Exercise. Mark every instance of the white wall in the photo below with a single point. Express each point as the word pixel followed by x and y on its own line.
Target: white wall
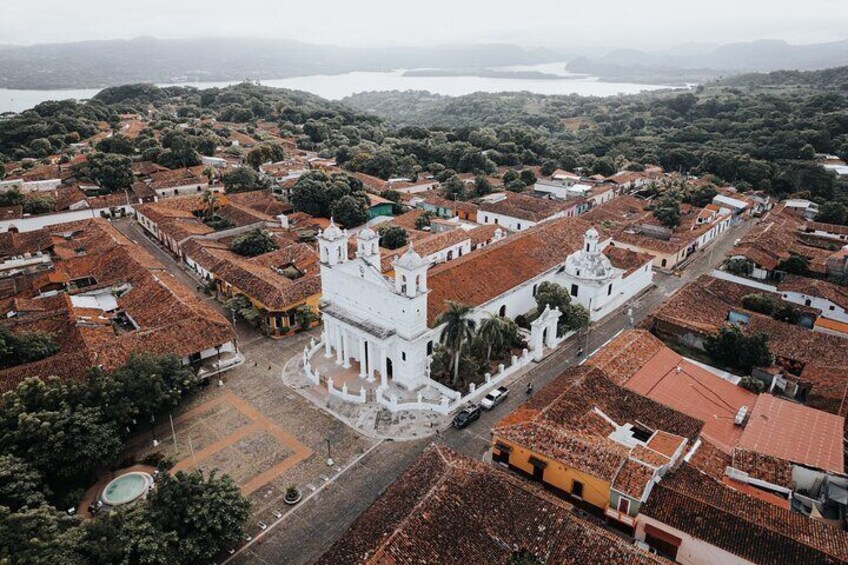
pixel 510 223
pixel 187 189
pixel 692 551
pixel 34 223
pixel 828 308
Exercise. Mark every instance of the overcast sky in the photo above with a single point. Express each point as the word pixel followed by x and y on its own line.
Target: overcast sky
pixel 554 23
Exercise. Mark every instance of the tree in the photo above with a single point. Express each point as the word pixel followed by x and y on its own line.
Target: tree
pixel 491 333
pixel 206 514
pixel 109 170
pixel 528 177
pixel 243 308
pixel 833 213
pixel 702 195
pixel 116 144
pixel 305 317
pixel 350 212
pixel 315 192
pixel 752 384
pixel 732 348
pixel 794 265
pixel 572 316
pixel 393 237
pixel 210 203
pixel 457 331
pixel 20 484
pixel 758 302
pixel 482 186
pixel 739 266
pixel 242 179
pixel 454 189
pixel 19 348
pixel 39 205
pixel 253 243
pixel 267 152
pixel 667 211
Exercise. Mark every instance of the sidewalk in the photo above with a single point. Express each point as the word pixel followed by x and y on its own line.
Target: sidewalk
pixel 369 419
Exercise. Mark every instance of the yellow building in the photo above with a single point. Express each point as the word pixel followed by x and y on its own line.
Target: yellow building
pixel 275 285
pixel 594 443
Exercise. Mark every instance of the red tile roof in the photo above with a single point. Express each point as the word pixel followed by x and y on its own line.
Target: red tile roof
pixel 450 509
pixel 796 433
pixel 745 526
pixel 478 277
pixel 561 421
pixel 525 207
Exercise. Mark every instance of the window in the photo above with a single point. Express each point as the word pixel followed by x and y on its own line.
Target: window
pixel 574 290
pixel 807 302
pixel 624 505
pixel 496 221
pixel 430 347
pixel 535 288
pixel 518 226
pixel 577 489
pixel 403 355
pixel 832 307
pixel 664 262
pixel 502 312
pixel 609 289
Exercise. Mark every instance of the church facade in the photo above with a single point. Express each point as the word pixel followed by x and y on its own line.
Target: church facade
pixel 389 324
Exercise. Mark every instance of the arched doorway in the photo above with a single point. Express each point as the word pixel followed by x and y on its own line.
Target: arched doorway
pixel 388 367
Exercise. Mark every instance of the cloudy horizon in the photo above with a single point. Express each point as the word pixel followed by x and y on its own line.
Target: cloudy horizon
pixel 560 24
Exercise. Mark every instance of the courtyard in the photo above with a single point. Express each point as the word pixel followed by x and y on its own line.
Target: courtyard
pixel 257 430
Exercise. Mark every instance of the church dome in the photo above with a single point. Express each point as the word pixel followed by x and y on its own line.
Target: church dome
pixel 333 232
pixel 589 266
pixel 366 234
pixel 589 263
pixel 410 260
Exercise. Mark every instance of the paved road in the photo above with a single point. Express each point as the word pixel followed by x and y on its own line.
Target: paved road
pixel 131 229
pixel 312 529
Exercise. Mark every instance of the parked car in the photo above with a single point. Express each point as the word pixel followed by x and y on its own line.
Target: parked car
pixel 494 398
pixel 466 416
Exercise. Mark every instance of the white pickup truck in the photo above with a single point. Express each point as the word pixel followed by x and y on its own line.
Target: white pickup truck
pixel 494 398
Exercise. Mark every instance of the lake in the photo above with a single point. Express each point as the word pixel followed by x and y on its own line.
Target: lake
pixel 336 87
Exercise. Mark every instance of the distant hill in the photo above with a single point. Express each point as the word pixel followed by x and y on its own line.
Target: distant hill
pixel 826 79
pixel 704 64
pixel 94 64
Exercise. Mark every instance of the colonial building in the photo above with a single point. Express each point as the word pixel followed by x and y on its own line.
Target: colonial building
pixel 390 324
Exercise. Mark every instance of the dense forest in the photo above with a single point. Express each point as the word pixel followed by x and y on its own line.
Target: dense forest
pixel 753 137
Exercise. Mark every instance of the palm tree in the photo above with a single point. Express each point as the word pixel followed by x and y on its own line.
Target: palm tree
pixel 492 333
pixel 458 330
pixel 210 201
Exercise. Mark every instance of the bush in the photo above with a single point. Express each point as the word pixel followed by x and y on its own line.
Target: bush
pixel 732 348
pixel 739 266
pixel 393 237
pixel 251 244
pixel 752 384
pixel 762 303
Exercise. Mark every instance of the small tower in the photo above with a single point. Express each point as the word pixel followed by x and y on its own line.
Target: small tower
pixel 368 246
pixel 332 244
pixel 590 241
pixel 411 273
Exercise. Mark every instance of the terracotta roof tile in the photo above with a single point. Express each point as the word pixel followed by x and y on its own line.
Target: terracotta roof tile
pixel 417 518
pixel 745 526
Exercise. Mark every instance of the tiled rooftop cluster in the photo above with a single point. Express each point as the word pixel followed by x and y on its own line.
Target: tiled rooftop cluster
pixel 570 421
pixel 525 207
pixel 743 525
pixel 154 313
pixel 481 276
pixel 702 307
pixel 447 508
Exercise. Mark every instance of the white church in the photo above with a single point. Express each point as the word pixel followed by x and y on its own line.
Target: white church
pixel 388 324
